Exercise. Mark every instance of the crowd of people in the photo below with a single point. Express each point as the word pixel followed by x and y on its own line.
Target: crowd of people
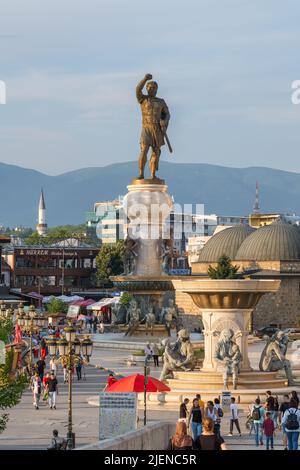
pixel 44 384
pixel 199 426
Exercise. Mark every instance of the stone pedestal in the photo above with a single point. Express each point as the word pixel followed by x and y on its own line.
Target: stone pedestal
pixel 214 322
pixel 147 205
pixel 225 304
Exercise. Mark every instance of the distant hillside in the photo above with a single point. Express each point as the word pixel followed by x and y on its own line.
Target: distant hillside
pixel 68 196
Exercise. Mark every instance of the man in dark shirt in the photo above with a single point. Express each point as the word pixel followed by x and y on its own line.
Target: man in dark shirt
pixel 282 409
pixel 183 411
pixel 52 391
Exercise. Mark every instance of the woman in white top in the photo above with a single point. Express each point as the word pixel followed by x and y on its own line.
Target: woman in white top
pixel 291 423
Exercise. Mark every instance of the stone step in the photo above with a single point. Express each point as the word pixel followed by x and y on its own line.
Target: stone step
pixel 204 375
pixel 217 384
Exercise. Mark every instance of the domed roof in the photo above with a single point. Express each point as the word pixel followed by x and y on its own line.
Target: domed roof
pixel 277 241
pixel 226 242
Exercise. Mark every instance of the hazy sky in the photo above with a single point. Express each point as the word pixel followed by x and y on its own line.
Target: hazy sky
pixel 225 68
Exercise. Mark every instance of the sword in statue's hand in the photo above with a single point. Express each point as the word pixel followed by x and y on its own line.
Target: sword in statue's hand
pixel 164 131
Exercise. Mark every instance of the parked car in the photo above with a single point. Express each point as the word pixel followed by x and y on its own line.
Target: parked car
pixel 265 331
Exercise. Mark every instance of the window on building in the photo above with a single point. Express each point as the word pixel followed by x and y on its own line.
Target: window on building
pixel 87 263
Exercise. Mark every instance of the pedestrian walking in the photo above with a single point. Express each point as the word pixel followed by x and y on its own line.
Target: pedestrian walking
pixel 181 440
pixel 195 419
pixel 52 391
pixel 282 409
pixel 111 379
pixel 40 366
pixel 43 349
pixel 258 416
pixel 148 352
pixel 270 403
pixel 45 386
pixel 36 387
pixel 101 327
pixel 291 423
pixel 294 396
pixel 219 414
pixel 269 428
pixel 234 418
pixel 78 369
pixel 52 365
pixel 155 351
pixel 208 439
pixel 183 410
pixel 66 373
pixel 201 403
pixel 95 324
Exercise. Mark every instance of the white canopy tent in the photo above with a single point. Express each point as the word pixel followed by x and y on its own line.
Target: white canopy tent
pixel 106 302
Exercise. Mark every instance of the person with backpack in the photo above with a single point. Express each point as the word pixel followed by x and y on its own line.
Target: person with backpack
pixel 195 419
pixel 269 428
pixel 283 407
pixel 219 414
pixel 183 411
pixel 291 423
pixel 258 416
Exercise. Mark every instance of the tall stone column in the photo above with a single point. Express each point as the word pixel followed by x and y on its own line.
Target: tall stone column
pixel 147 206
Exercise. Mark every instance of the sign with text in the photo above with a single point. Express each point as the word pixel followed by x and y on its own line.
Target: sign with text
pixel 117 414
pixel 2 353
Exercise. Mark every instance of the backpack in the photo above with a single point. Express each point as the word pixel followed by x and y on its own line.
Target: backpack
pixel 256 413
pixel 292 423
pixel 220 412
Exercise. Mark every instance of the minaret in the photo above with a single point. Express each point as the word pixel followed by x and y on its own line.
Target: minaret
pixel 256 208
pixel 42 226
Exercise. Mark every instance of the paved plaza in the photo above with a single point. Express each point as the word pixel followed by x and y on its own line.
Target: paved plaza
pixel 31 429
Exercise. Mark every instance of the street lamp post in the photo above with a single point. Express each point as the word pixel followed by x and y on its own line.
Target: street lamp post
pixel 69 352
pixel 146 375
pixel 31 322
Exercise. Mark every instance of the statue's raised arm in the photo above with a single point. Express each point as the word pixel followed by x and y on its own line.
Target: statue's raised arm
pixel 139 89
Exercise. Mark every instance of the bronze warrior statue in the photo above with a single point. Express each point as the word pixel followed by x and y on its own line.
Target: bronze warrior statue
pixel 155 119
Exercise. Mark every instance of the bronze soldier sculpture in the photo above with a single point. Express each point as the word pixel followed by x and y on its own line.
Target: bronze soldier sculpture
pixel 155 120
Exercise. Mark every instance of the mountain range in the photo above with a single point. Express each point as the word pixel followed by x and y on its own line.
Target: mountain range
pixel 223 190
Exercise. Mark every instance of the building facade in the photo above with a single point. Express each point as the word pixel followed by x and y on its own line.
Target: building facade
pixel 51 270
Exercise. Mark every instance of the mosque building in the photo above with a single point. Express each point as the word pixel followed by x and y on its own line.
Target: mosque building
pixel 271 251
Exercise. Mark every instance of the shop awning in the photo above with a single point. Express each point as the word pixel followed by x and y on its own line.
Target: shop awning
pixel 104 303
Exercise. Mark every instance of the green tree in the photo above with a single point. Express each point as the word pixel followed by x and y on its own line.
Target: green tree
pixel 109 261
pixel 224 269
pixel 57 306
pixel 125 298
pixel 11 386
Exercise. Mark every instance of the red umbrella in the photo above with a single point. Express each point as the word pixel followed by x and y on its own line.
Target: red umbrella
pixel 135 383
